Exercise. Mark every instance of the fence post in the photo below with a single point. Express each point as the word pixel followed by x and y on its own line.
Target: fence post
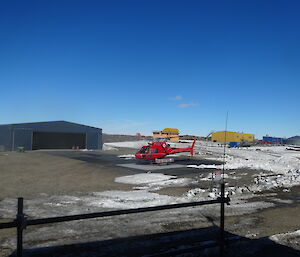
pixel 222 220
pixel 20 226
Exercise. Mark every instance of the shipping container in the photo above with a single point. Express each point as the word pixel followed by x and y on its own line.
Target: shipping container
pixel 233 144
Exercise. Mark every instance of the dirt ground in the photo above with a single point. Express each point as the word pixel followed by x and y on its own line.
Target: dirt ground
pixel 68 172
pixel 81 172
pixel 31 173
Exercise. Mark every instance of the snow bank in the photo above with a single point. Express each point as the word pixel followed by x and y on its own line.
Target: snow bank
pixel 289 179
pixel 277 160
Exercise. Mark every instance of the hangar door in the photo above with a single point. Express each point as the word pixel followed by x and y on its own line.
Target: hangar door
pixel 57 140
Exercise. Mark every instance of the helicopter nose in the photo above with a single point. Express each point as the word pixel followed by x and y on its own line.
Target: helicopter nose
pixel 139 155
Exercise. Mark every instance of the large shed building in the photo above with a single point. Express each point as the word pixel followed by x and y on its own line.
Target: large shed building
pixel 293 140
pixel 49 135
pixel 228 136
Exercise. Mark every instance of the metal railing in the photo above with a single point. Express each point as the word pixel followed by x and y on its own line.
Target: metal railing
pixel 21 222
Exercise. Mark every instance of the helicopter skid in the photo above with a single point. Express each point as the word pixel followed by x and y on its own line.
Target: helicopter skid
pixel 164 161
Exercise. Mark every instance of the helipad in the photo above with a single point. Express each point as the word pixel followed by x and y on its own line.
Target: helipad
pixel 150 167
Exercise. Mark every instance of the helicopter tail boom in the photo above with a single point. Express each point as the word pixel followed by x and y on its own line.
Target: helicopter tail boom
pixel 192 148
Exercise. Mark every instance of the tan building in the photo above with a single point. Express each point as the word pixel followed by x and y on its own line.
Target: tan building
pixel 171 134
pixel 231 137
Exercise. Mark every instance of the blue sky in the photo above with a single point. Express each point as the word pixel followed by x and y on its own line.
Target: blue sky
pixel 139 66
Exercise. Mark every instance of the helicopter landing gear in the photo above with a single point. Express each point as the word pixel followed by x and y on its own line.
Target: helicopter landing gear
pixel 164 161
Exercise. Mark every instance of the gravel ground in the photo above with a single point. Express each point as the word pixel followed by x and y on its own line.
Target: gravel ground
pixel 57 172
pixel 77 173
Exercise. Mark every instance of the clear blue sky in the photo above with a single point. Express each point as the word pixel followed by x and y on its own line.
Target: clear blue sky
pixel 138 66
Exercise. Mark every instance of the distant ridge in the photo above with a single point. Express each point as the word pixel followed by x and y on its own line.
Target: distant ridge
pixel 109 138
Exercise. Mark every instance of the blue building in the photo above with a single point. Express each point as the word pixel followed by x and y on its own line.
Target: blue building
pixel 273 140
pixel 49 135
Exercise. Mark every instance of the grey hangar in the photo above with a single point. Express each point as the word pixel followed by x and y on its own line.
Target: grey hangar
pixel 49 135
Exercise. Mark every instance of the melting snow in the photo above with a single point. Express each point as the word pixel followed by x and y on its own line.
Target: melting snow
pixel 290 239
pixel 127 156
pixel 154 181
pixel 143 178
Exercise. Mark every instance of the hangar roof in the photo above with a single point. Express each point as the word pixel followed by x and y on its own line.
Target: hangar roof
pixel 294 138
pixel 172 130
pixel 45 123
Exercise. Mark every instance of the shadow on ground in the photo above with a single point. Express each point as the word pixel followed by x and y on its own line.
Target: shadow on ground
pixel 193 242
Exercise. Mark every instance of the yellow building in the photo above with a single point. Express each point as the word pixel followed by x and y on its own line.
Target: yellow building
pixel 231 137
pixel 171 134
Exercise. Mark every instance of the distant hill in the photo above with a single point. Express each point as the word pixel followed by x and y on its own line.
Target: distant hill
pixel 109 138
pixel 190 137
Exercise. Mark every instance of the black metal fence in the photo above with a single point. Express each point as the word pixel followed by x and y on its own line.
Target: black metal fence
pixel 21 222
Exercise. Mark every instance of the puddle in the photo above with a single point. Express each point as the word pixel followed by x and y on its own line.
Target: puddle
pixel 294 197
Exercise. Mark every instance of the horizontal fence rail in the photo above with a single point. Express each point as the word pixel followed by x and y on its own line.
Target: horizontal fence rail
pixel 109 213
pixel 21 222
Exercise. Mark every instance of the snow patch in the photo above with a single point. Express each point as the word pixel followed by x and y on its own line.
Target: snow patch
pixel 127 156
pixel 290 239
pixel 106 147
pixel 132 199
pixel 138 179
pixel 154 181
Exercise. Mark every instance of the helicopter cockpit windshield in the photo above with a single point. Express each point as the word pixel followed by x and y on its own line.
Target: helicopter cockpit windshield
pixel 144 149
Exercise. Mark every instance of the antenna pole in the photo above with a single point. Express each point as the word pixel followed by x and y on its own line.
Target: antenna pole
pixel 225 139
pixel 222 220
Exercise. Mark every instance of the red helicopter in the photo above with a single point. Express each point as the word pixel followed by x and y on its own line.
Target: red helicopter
pixel 158 150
